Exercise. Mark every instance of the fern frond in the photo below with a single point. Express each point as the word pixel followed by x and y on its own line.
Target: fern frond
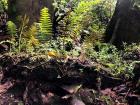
pixel 11 28
pixel 81 16
pixel 45 24
pixel 31 35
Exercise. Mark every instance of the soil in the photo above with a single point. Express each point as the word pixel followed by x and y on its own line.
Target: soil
pixel 34 80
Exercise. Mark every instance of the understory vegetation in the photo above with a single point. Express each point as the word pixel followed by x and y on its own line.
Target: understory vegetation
pixel 65 48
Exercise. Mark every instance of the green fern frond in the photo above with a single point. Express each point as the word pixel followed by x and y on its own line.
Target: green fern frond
pixel 81 15
pixel 45 24
pixel 30 36
pixel 11 28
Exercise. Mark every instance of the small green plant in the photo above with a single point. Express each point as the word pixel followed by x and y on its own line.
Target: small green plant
pixel 45 30
pixel 20 36
pixel 3 5
pixel 108 56
pixel 23 27
pixel 12 31
pixel 131 47
pixel 27 38
pixel 82 20
pixel 31 39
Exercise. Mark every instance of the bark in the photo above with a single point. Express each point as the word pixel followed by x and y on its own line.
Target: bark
pixel 128 28
pixel 114 33
pixel 29 7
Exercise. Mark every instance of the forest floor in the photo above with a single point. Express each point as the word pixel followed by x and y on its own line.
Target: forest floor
pixel 33 80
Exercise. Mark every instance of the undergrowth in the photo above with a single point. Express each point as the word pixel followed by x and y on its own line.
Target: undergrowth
pixel 80 38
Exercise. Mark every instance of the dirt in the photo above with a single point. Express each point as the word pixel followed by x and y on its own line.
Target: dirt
pixel 33 80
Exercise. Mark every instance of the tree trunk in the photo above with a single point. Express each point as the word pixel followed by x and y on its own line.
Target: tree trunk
pixel 29 7
pixel 128 28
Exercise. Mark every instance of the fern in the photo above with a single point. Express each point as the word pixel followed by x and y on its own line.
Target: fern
pixel 23 27
pixel 30 36
pixel 11 28
pixel 45 24
pixel 81 18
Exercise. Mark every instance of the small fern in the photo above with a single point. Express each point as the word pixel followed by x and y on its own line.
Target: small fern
pixel 23 27
pixel 45 24
pixel 30 36
pixel 11 28
pixel 81 18
pixel 12 31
